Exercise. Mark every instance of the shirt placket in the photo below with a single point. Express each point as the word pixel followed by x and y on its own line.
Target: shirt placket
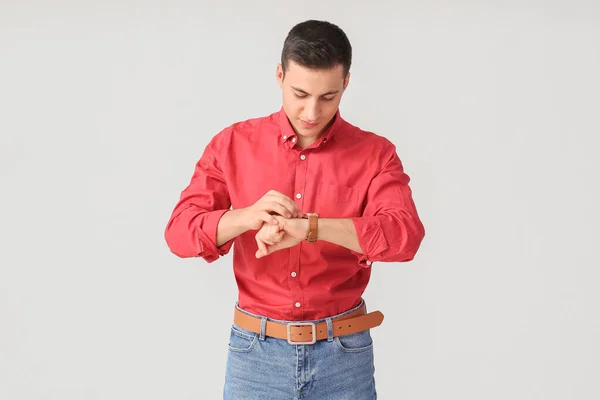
pixel 294 266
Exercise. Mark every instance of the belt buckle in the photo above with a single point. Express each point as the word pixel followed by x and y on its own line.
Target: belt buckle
pixel 314 332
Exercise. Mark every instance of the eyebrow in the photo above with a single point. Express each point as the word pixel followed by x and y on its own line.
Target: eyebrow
pixel 324 94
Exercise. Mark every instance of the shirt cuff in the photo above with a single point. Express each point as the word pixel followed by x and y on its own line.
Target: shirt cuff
pixel 370 238
pixel 208 237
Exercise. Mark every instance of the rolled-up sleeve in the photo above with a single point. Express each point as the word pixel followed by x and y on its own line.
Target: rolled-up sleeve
pixel 192 227
pixel 389 229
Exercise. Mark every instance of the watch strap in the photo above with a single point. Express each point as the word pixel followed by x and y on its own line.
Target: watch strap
pixel 313 226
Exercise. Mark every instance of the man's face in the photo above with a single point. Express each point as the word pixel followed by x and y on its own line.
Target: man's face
pixel 311 97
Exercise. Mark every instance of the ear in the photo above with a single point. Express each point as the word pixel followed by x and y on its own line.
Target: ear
pixel 279 75
pixel 346 80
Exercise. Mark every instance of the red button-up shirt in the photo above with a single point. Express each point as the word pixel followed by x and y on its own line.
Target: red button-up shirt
pixel 347 173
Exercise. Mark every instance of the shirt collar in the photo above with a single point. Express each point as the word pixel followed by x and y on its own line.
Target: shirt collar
pixel 289 137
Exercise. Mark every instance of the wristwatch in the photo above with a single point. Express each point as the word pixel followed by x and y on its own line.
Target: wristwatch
pixel 313 226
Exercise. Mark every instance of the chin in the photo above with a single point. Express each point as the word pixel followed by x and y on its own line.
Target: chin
pixel 311 131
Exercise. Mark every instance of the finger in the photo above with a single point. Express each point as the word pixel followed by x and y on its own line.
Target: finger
pixel 267 241
pixel 260 254
pixel 269 250
pixel 275 247
pixel 280 209
pixel 273 192
pixel 268 218
pixel 262 248
pixel 289 205
pixel 275 237
pixel 271 235
pixel 286 202
pixel 262 237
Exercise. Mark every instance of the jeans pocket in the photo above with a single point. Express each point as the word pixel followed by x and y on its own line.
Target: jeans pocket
pixel 241 340
pixel 355 342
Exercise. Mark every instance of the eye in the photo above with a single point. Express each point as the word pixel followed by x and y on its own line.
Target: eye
pixel 328 98
pixel 300 96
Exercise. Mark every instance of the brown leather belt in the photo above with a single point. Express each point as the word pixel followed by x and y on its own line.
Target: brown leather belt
pixel 310 332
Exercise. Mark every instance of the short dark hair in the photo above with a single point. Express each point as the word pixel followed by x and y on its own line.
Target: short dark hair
pixel 317 45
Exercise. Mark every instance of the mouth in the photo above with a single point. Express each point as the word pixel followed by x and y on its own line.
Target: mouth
pixel 308 124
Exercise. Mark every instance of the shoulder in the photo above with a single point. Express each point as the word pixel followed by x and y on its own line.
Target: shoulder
pixel 369 142
pixel 239 131
pixel 242 130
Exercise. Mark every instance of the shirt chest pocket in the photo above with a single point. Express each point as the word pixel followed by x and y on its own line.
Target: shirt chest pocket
pixel 336 201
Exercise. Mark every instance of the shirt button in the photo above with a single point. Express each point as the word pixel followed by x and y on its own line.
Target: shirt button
pixel 369 262
pixel 284 137
pixel 294 139
pixel 298 196
pixel 303 157
pixel 297 304
pixel 293 274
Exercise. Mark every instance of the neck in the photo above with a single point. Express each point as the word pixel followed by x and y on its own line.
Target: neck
pixel 305 142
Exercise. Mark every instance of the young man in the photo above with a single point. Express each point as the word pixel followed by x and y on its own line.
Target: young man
pixel 314 202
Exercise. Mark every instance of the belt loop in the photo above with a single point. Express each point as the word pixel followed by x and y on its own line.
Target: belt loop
pixel 329 330
pixel 263 328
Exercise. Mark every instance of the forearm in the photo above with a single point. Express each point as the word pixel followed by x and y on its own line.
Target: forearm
pixel 339 231
pixel 230 226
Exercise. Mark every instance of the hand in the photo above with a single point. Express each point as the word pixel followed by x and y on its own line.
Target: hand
pixel 273 202
pixel 287 233
pixel 269 234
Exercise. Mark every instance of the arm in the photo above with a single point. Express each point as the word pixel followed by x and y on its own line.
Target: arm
pixel 231 225
pixel 235 222
pixel 192 227
pixel 339 231
pixel 389 229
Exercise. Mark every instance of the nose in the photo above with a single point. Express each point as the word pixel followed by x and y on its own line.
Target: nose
pixel 312 111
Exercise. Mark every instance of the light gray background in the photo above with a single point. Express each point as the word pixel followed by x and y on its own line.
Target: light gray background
pixel 106 107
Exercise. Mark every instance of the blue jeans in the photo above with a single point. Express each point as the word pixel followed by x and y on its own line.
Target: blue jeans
pixel 267 368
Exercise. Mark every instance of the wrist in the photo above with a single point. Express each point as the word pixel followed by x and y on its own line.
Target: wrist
pixel 312 233
pixel 305 228
pixel 242 219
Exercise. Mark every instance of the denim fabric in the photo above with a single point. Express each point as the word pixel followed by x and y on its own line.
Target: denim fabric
pixel 266 368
